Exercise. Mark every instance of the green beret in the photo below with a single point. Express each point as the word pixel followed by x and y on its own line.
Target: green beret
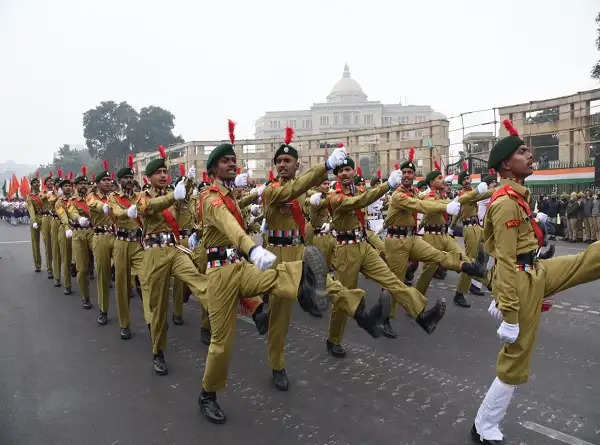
pixel 285 149
pixel 488 179
pixel 80 179
pixel 421 183
pixel 432 175
pixel 218 153
pixel 462 176
pixel 154 165
pixel 358 179
pixel 102 174
pixel 503 149
pixel 35 179
pixel 408 164
pixel 146 186
pixel 57 180
pixel 124 172
pixel 348 162
pixel 64 181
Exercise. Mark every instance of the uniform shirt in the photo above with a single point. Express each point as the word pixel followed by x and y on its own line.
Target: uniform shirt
pixel 76 207
pixel 49 200
pixel 435 219
pixel 343 206
pixel 507 233
pixel 119 203
pixel 35 205
pixel 95 202
pixel 404 206
pixel 185 213
pixel 60 207
pixel 319 215
pixel 150 204
pixel 468 199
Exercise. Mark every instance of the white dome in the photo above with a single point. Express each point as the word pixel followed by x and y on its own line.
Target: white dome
pixel 346 90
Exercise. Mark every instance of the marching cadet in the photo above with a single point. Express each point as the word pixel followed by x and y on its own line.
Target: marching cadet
pixel 320 221
pixel 128 252
pixel 230 251
pixel 286 232
pixel 402 244
pixel 472 230
pixel 79 215
pixel 35 208
pixel 64 232
pixel 354 255
pixel 372 238
pixel 522 284
pixel 55 229
pixel 47 209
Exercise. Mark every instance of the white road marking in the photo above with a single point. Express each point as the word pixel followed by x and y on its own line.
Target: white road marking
pixel 16 242
pixel 594 312
pixel 553 434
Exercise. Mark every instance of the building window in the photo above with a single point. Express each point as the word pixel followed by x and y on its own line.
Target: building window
pixel 336 119
pixel 291 123
pixel 368 119
pixel 275 125
pixel 324 121
pixel 387 120
pixel 307 124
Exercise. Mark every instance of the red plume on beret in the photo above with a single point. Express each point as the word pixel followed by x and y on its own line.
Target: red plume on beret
pixel 182 169
pixel 83 170
pixel 411 154
pixel 338 186
pixel 37 174
pixel 509 127
pixel 379 174
pixel 130 160
pixel 436 165
pixel 145 180
pixel 162 151
pixel 271 176
pixel 169 179
pixel 70 175
pixel 359 171
pixel 492 172
pixel 204 177
pixel 396 166
pixel 93 177
pixel 341 145
pixel 59 172
pixel 231 129
pixel 238 171
pixel 112 175
pixel 289 135
pixel 105 165
pixel 50 174
pixel 465 166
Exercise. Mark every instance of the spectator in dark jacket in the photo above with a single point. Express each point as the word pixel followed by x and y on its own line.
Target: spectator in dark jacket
pixel 589 231
pixel 552 208
pixel 572 214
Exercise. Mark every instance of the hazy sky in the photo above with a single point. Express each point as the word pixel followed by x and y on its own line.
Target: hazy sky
pixel 209 61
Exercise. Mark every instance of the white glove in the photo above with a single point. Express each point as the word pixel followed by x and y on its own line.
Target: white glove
pixel 191 173
pixel 336 158
pixel 59 193
pixel 180 191
pixel 453 207
pixel 241 180
pixel 193 240
pixel 132 211
pixel 263 226
pixel 255 209
pixel 262 258
pixel 508 333
pixel 83 221
pixel 259 190
pixel 541 217
pixel 482 188
pixel 195 192
pixel 68 233
pixel 494 312
pixel 395 179
pixel 450 231
pixel 315 199
pixel 325 228
pixel 35 226
pixel 106 209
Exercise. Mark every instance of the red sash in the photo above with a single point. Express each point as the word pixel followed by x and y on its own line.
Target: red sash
pixel 298 216
pixel 82 206
pixel 126 203
pixel 170 220
pixel 507 190
pixel 36 199
pixel 230 204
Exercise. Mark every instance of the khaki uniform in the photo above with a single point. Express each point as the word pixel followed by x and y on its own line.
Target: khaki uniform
pixel 128 255
pixel 233 278
pixel 82 244
pixel 54 231
pixel 285 241
pixel 64 243
pixel 472 230
pixel 35 209
pixel 46 230
pixel 354 255
pixel 163 260
pixel 402 243
pixel 436 234
pixel 520 293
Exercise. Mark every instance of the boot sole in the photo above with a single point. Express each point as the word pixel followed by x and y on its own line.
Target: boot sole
pixel 316 263
pixel 212 419
pixel 442 311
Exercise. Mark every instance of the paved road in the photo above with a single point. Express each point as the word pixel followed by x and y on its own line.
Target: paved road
pixel 65 380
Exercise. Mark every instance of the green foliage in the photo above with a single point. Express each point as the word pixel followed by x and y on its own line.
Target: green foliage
pixel 596 69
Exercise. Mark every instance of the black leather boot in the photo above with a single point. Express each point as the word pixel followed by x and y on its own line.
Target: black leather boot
pixel 50 275
pixel 159 364
pixel 312 294
pixel 57 283
pixel 429 318
pixel 280 379
pixel 372 320
pixel 177 319
pixel 125 333
pixel 460 300
pixel 68 290
pixel 210 408
pixel 85 304
pixel 205 335
pixel 335 349
pixel 388 330
pixel 102 318
pixel 261 319
pixel 477 439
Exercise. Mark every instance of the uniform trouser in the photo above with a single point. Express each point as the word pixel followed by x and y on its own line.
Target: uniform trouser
pixel 547 278
pixel 472 235
pixel 351 259
pixel 573 229
pixel 55 228
pixel 345 302
pixel 179 288
pixel 128 257
pixel 326 244
pixel 309 234
pixel 444 243
pixel 160 263
pixel 35 246
pixel 399 251
pixel 590 228
pixel 47 238
pixel 82 246
pixel 375 241
pixel 103 250
pixel 201 261
pixel 228 284
pixel 65 246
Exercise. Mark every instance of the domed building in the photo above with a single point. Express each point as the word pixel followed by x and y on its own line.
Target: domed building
pixel 347 108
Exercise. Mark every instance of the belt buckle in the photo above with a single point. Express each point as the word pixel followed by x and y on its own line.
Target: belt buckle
pixel 231 254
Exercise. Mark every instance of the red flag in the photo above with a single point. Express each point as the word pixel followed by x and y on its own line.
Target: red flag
pixel 24 188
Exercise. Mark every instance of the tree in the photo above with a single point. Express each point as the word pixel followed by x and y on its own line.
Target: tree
pixel 70 159
pixel 155 128
pixel 596 69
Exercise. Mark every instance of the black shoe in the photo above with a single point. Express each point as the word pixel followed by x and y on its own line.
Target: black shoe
pixel 312 294
pixel 477 268
pixel 159 364
pixel 177 319
pixel 372 320
pixel 85 304
pixel 73 270
pixel 125 333
pixel 428 319
pixel 50 276
pixel 210 408
pixel 460 300
pixel 261 319
pixel 475 436
pixel 205 335
pixel 68 290
pixel 38 269
pixel 476 291
pixel 548 253
pixel 102 318
pixel 388 330
pixel 57 283
pixel 335 349
pixel 280 380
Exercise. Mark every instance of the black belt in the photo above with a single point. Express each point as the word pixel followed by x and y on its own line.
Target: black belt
pixel 129 235
pixel 350 238
pixel 527 259
pixel 103 229
pixel 286 240
pixel 395 232
pixel 436 229
pixel 45 213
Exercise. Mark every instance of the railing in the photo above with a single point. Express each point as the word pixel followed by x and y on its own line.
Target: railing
pixel 553 165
